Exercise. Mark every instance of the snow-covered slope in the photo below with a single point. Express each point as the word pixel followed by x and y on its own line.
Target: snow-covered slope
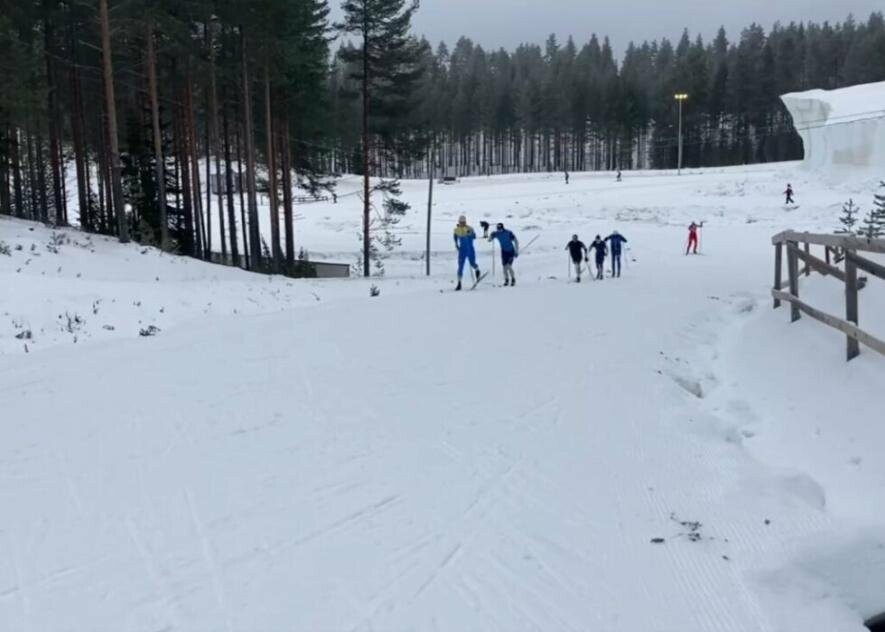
pixel 843 131
pixel 657 452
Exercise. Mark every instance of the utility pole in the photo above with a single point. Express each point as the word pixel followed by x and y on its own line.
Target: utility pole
pixel 680 98
pixel 429 209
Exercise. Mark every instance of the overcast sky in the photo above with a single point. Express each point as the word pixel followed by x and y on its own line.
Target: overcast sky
pixel 507 23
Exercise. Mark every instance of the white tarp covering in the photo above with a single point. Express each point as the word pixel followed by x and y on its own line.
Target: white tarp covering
pixel 841 129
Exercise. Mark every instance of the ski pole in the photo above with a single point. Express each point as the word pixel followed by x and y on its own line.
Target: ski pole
pixel 526 247
pixel 569 259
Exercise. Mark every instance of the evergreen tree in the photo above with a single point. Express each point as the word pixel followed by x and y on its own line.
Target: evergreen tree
pixel 386 69
pixel 874 223
pixel 848 219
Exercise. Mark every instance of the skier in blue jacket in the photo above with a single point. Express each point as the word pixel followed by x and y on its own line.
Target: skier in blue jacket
pixel 509 251
pixel 464 238
pixel 616 239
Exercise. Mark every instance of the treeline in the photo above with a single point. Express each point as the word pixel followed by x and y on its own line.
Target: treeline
pixel 163 120
pixel 136 106
pixel 561 107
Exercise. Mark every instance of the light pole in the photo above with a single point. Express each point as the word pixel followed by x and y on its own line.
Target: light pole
pixel 429 207
pixel 680 97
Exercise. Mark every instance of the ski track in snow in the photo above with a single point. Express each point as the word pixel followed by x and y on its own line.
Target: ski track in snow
pixel 297 455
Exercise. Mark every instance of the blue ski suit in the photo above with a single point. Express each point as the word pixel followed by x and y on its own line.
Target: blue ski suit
pixel 616 239
pixel 464 238
pixel 509 244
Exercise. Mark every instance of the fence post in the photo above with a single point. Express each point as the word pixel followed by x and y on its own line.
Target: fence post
pixel 778 265
pixel 793 271
pixel 853 347
pixel 807 265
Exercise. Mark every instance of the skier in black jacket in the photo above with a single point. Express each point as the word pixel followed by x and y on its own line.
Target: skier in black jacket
pixel 578 252
pixel 601 251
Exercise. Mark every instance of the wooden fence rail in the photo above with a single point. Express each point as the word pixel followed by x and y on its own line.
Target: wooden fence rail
pixel 845 249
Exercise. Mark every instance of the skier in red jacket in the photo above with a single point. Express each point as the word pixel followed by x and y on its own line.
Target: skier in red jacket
pixel 693 237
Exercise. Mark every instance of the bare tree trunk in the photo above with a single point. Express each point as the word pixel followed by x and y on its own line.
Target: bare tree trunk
pixel 116 168
pixel 18 194
pixel 208 234
pixel 242 189
pixel 229 186
pixel 272 174
pixel 254 234
pixel 32 177
pixel 159 160
pixel 53 114
pixel 366 193
pixel 287 193
pixel 5 198
pixel 184 186
pixel 196 189
pixel 214 141
pixel 101 177
pixel 41 178
pixel 77 126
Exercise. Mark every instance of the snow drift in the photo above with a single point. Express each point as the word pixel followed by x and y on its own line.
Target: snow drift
pixel 841 129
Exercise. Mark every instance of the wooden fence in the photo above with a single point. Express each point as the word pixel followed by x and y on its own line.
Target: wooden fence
pixel 843 248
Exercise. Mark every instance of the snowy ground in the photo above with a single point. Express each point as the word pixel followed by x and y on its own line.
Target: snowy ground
pixel 297 455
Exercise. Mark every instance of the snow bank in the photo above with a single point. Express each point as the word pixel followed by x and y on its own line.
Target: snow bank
pixel 62 286
pixel 842 130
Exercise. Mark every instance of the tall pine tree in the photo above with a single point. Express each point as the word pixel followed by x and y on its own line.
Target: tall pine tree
pixel 385 62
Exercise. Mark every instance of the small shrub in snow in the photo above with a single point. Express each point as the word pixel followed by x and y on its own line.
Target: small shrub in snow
pixel 374 291
pixel 24 335
pixel 72 324
pixel 4 249
pixel 150 330
pixel 56 240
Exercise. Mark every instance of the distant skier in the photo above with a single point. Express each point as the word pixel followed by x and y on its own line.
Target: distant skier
pixel 789 194
pixel 693 237
pixel 509 251
pixel 619 175
pixel 578 253
pixel 566 177
pixel 599 245
pixel 616 239
pixel 485 229
pixel 464 238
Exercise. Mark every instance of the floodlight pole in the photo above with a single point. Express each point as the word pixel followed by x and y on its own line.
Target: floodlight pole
pixel 680 98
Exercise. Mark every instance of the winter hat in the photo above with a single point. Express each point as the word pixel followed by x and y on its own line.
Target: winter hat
pixel 575 237
pixel 462 219
pixel 499 225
